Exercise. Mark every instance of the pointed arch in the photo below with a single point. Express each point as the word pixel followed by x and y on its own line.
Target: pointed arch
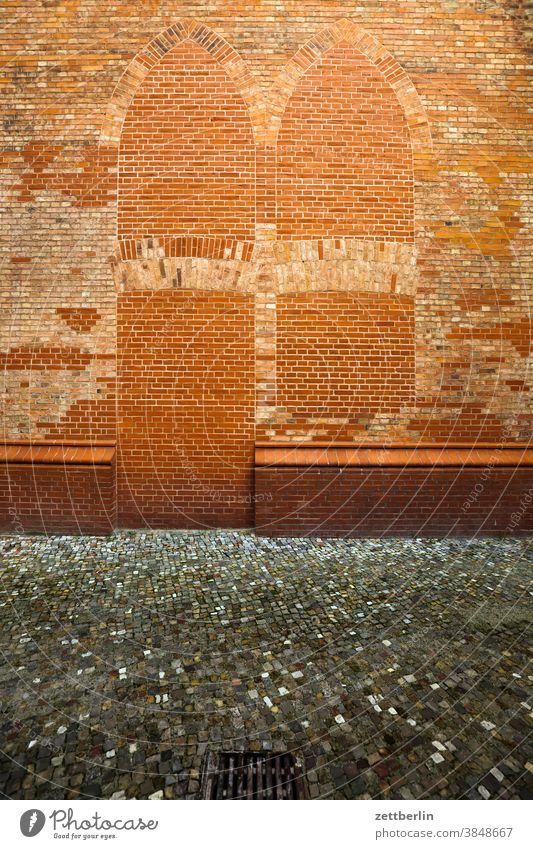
pixel 151 55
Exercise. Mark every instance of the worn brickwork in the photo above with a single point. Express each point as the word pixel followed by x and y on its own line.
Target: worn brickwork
pixel 268 152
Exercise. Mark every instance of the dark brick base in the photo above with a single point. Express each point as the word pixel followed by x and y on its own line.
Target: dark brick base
pixel 57 499
pixel 376 502
pixel 354 502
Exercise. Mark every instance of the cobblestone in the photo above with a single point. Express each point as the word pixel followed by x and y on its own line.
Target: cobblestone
pixel 395 669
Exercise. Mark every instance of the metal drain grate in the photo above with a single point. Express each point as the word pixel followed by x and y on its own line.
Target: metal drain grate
pixel 252 775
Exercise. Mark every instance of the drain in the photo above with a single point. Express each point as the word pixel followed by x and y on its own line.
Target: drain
pixel 252 775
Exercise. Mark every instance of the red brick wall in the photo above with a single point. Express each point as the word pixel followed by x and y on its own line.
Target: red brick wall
pixel 344 155
pixel 342 359
pixel 40 373
pixel 376 502
pixel 186 409
pixel 186 162
pixel 454 189
pixel 57 499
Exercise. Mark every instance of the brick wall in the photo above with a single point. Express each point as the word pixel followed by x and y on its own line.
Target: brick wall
pixel 344 154
pixel 408 502
pixel 55 499
pixel 186 409
pixel 186 161
pixel 376 150
pixel 342 360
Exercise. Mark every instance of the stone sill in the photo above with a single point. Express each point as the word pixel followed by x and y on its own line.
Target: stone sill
pixel 342 455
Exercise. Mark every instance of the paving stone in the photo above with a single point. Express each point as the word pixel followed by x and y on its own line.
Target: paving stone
pixel 392 667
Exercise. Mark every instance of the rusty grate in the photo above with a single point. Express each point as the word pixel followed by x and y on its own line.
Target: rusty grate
pixel 252 775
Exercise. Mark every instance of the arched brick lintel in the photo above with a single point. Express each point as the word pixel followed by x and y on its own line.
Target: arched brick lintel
pixel 347 32
pixel 153 52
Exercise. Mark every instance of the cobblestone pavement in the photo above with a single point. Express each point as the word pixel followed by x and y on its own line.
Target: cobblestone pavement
pixel 396 669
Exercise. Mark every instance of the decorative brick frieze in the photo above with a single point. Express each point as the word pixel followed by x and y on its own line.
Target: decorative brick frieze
pixel 210 247
pixel 344 265
pixel 57 487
